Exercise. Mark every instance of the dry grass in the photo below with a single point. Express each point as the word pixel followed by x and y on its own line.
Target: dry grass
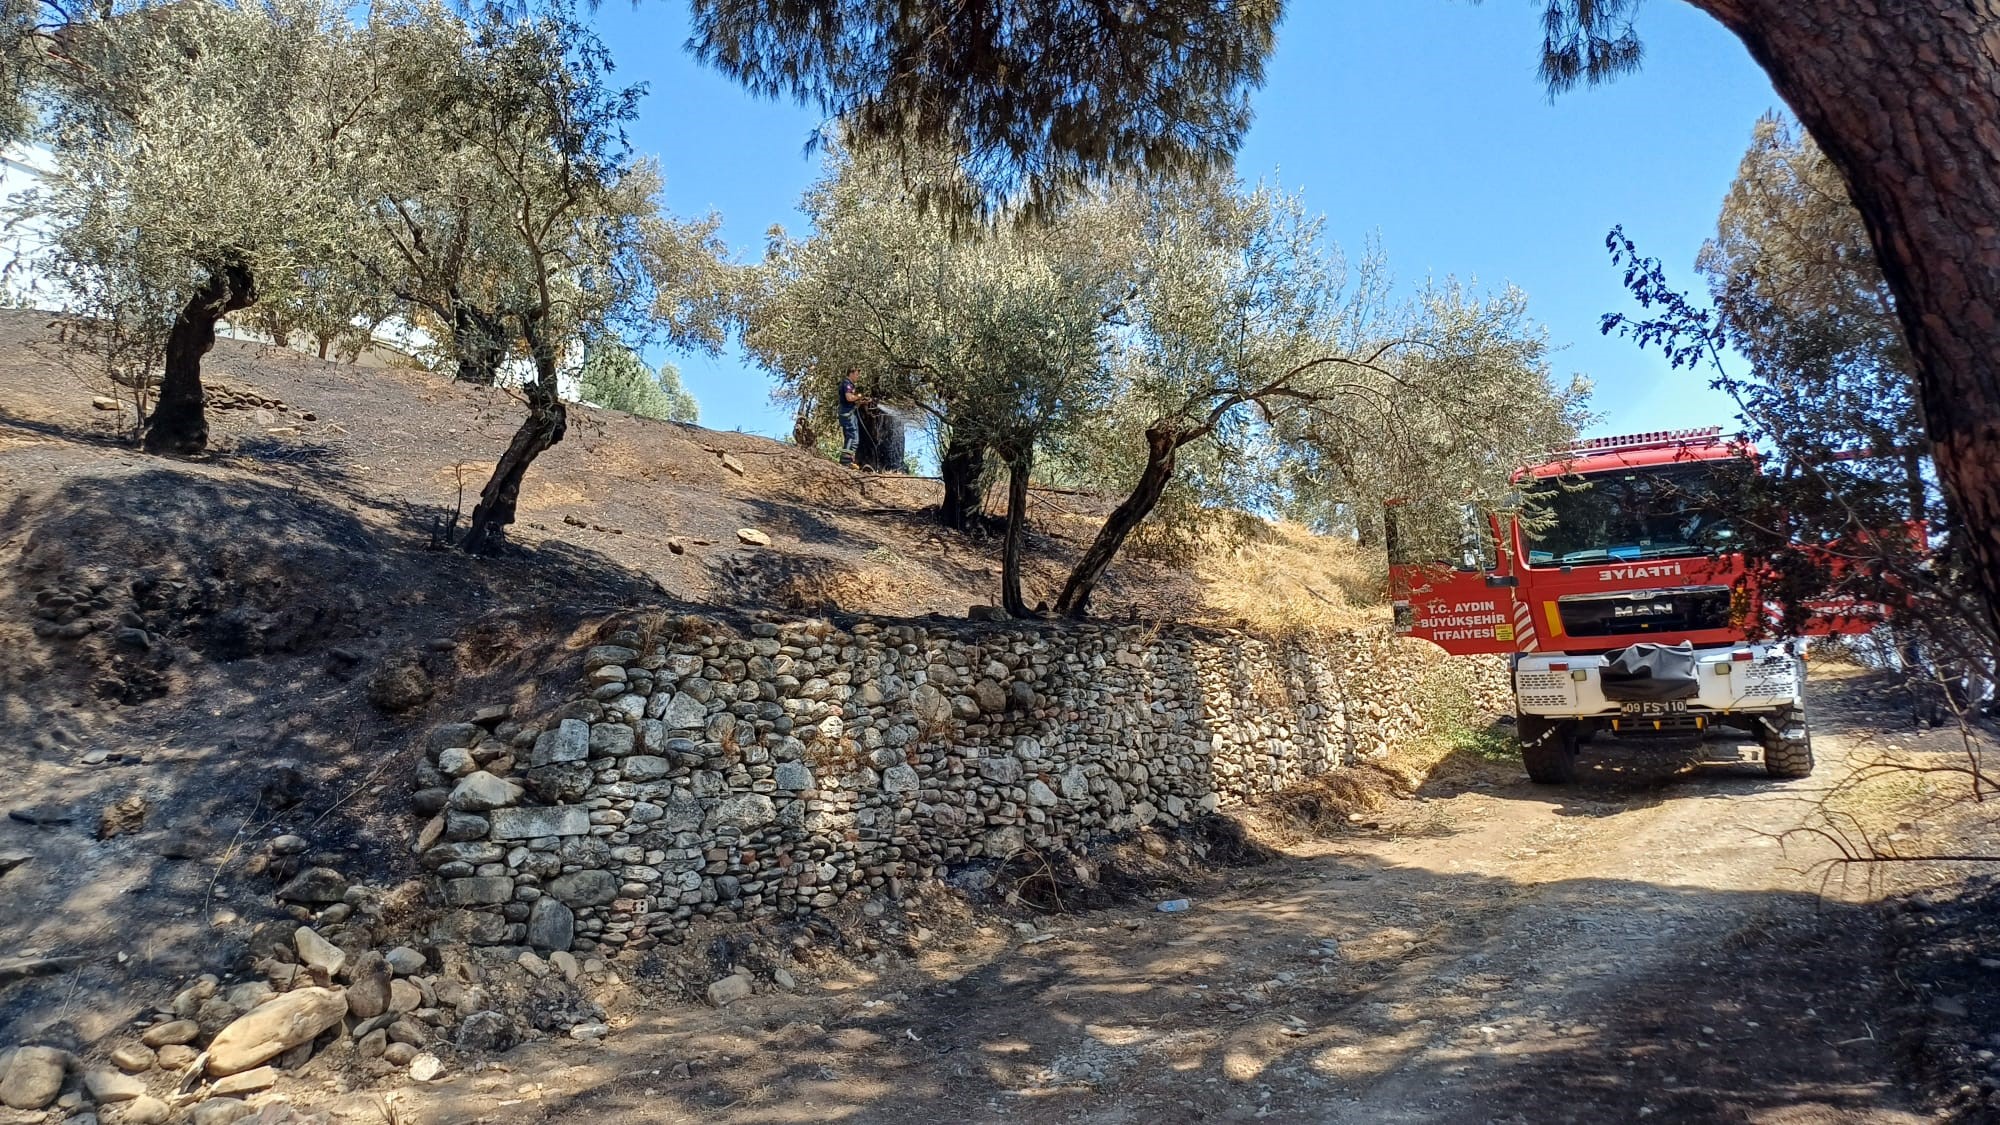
pixel 1452 755
pixel 1285 581
pixel 1878 797
pixel 1327 804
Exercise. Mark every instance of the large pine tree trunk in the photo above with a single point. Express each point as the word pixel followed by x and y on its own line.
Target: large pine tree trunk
pixel 1904 97
pixel 1020 461
pixel 964 462
pixel 547 419
pixel 179 424
pixel 1162 444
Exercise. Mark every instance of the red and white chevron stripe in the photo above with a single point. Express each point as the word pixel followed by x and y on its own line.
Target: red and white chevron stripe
pixel 1524 628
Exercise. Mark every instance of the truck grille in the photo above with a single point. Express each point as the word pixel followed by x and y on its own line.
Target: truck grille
pixel 1651 611
pixel 1770 678
pixel 1542 689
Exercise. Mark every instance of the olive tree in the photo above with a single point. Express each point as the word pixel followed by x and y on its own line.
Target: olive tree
pixel 1442 428
pixel 435 232
pixel 191 179
pixel 1254 348
pixel 993 335
pixel 559 227
pixel 1037 318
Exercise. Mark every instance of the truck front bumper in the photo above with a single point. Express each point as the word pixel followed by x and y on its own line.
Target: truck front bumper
pixel 1738 679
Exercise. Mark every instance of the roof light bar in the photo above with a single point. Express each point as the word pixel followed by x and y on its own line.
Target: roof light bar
pixel 1652 439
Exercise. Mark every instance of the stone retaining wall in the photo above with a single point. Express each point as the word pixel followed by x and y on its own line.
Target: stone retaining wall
pixel 705 772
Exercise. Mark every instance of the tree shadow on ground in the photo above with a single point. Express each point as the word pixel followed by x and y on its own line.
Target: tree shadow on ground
pixel 100 436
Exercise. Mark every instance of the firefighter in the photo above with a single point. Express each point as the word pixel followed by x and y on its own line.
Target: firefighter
pixel 850 400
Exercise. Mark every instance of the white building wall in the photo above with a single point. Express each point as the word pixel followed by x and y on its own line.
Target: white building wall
pixel 23 241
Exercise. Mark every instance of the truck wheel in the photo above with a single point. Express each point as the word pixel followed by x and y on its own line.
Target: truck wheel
pixel 1787 757
pixel 1548 749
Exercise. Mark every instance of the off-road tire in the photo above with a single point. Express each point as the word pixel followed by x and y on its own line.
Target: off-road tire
pixel 1548 749
pixel 1787 757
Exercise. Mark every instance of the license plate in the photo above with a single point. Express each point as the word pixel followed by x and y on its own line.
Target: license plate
pixel 1655 707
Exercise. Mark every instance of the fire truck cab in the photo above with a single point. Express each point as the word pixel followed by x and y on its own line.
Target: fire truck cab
pixel 1625 609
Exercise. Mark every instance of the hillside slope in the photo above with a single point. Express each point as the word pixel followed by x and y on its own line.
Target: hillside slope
pixel 399 450
pixel 196 643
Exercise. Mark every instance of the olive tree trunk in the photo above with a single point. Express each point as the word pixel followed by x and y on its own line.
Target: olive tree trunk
pixel 1020 462
pixel 542 428
pixel 480 339
pixel 1162 446
pixel 178 423
pixel 962 466
pixel 1904 97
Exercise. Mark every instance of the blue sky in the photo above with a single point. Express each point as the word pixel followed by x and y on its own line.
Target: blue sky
pixel 1420 121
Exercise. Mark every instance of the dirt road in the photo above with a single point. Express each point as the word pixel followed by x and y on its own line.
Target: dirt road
pixel 1638 947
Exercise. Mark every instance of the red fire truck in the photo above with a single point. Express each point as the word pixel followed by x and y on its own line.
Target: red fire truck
pixel 1626 610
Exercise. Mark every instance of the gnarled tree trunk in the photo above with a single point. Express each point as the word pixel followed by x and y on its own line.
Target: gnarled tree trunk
pixel 963 463
pixel 1904 97
pixel 1163 443
pixel 179 424
pixel 547 419
pixel 480 339
pixel 1020 461
pixel 1367 529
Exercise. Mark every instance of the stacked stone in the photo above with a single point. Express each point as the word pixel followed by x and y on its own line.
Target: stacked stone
pixel 716 774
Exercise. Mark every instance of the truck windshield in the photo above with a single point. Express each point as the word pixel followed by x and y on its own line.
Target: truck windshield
pixel 1656 512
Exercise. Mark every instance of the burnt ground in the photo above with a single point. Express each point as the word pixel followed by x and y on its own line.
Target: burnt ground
pixel 400 452
pixel 196 639
pixel 1946 944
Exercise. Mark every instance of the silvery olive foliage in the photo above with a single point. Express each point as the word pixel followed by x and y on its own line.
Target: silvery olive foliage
pixel 312 168
pixel 990 336
pixel 505 183
pixel 1439 428
pixel 1197 347
pixel 1261 372
pixel 938 318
